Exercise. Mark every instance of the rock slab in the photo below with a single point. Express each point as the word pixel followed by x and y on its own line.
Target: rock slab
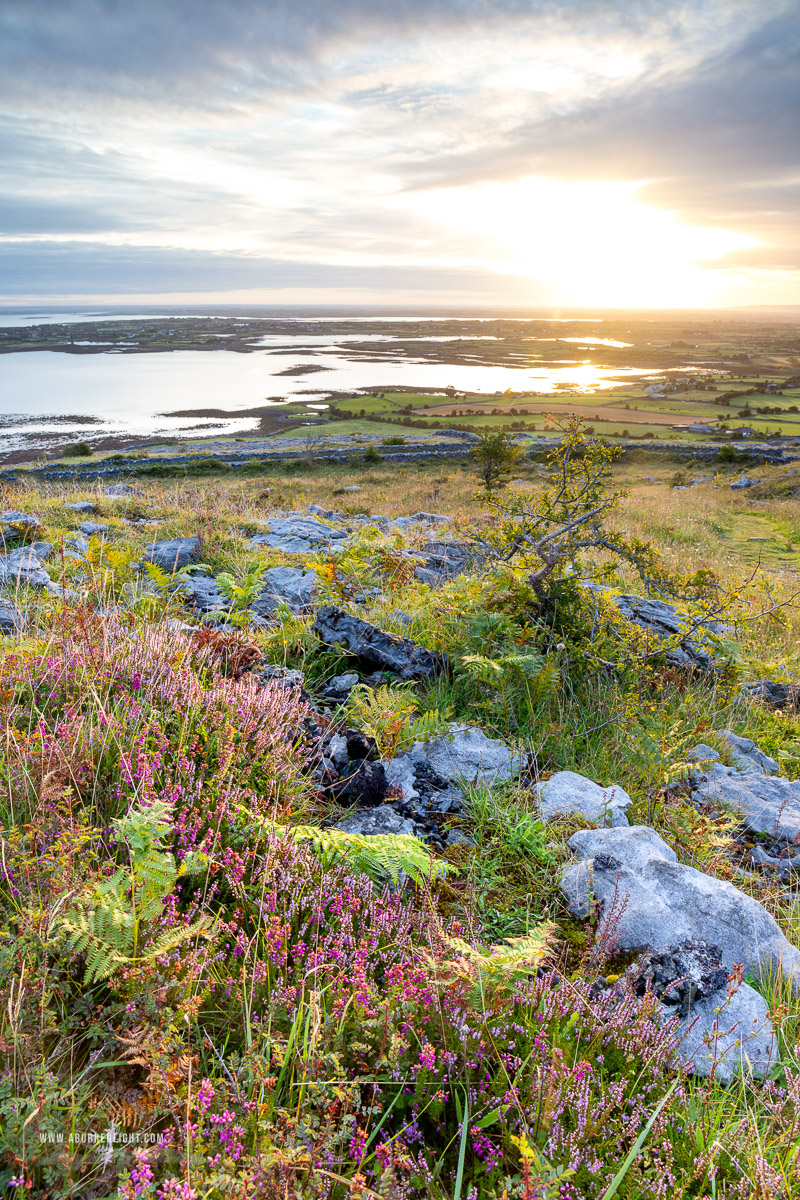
pixel 649 901
pixel 467 754
pixel 569 794
pixel 173 553
pixel 376 648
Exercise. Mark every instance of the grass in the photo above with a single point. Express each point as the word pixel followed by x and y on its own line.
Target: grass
pixel 328 1038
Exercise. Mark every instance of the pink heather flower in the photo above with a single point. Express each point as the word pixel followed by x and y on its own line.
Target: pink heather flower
pixel 205 1094
pixel 427 1056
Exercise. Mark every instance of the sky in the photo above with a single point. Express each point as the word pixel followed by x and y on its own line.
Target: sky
pixel 468 153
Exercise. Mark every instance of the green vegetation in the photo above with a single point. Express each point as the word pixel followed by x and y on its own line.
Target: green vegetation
pixel 190 950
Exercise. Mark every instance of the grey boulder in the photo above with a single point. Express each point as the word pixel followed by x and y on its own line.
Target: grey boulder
pixel 468 754
pixel 377 649
pixel 119 491
pixel 11 620
pixel 173 553
pixel 375 821
pixel 285 677
pixel 81 506
pixel 286 585
pixel 746 754
pixel 766 804
pixel 648 900
pixel 90 528
pixel 719 1033
pixel 689 647
pixel 25 566
pixel 569 794
pixel 202 593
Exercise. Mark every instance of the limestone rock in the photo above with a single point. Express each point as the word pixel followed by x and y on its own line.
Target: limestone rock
pixel 91 528
pixel 567 793
pixel 468 754
pixel 376 648
pixel 173 553
pixel 202 593
pixel 25 566
pixel 767 804
pixel 11 620
pixel 666 622
pixel 746 754
pixel 81 506
pixel 717 1033
pixel 651 901
pixel 286 585
pixel 298 534
pixel 773 694
pixel 372 821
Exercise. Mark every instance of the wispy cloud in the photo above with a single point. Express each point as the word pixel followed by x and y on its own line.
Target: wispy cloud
pixel 237 143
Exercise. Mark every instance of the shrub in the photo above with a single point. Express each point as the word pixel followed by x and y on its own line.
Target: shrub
pixel 78 450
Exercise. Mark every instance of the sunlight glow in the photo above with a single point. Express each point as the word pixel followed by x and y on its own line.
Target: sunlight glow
pixel 593 242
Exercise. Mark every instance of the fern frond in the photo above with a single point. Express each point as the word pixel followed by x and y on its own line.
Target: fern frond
pixel 380 855
pixel 203 927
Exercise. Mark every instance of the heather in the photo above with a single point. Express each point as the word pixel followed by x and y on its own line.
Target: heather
pixel 253 1011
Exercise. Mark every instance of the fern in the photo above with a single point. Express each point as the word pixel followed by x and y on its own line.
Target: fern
pixel 504 965
pixel 381 856
pixel 106 923
pixel 387 715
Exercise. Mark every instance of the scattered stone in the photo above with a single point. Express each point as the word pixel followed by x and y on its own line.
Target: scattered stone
pixel 17 524
pixel 360 745
pixel 11 620
pixel 766 804
pixel 445 560
pixel 457 837
pixel 569 794
pixel 650 901
pixel 286 585
pixel 717 1034
pixel 25 566
pixel 746 754
pixel 377 649
pixel 772 694
pixel 329 514
pixel 298 535
pixel 702 753
pixel 665 621
pixel 202 593
pixel 81 506
pixel 78 544
pixel 782 864
pixel 744 482
pixel 90 528
pixel 351 487
pixel 373 821
pixel 119 491
pixel 286 677
pixel 173 553
pixel 467 754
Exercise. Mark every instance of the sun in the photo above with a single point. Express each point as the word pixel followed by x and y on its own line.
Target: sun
pixel 592 243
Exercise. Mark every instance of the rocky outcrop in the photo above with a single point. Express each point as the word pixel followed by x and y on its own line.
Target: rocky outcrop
pixel 648 900
pixel 374 647
pixel 721 1032
pixel 441 561
pixel 173 553
pixel 569 794
pixel 773 694
pixel 286 585
pixel 299 535
pixel 688 648
pixel 467 754
pixel 766 804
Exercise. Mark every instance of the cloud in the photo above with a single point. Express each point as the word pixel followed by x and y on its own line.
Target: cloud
pixel 262 135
